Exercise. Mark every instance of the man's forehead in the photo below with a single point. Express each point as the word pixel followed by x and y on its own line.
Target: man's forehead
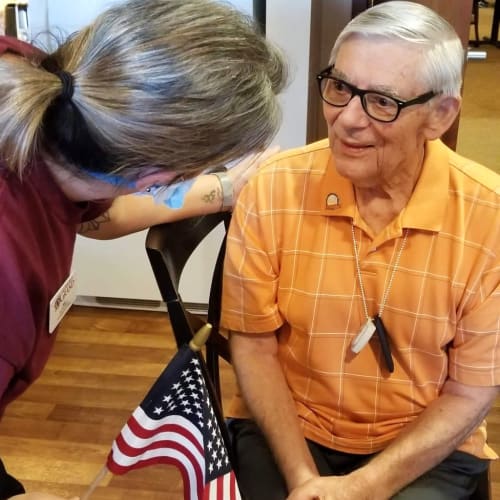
pixel 379 63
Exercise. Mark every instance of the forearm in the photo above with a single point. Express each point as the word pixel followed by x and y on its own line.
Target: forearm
pixel 438 431
pixel 268 398
pixel 132 213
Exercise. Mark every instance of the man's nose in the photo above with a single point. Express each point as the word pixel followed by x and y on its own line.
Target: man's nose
pixel 353 114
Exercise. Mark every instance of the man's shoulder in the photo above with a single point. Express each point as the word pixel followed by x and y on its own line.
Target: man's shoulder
pixel 474 173
pixel 281 180
pixel 314 156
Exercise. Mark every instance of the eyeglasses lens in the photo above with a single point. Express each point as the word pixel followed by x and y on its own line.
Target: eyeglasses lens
pixel 378 106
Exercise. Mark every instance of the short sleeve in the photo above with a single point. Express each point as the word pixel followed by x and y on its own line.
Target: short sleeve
pixel 251 274
pixel 474 357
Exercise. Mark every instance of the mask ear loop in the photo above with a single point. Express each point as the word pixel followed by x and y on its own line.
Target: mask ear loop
pixel 113 179
pixel 171 195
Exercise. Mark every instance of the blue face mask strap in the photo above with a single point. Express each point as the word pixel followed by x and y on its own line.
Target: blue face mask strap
pixel 113 179
pixel 172 196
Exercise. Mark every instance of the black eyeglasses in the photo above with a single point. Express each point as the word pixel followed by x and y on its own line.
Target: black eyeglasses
pixel 380 107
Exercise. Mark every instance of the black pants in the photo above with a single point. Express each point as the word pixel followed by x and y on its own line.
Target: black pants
pixel 453 479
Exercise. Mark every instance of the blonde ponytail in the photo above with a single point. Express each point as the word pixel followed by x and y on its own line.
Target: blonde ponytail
pixel 26 91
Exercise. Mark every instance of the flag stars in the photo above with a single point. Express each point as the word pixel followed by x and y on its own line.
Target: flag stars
pixel 158 410
pixel 184 395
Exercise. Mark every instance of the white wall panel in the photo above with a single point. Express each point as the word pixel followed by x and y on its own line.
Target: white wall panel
pixel 288 26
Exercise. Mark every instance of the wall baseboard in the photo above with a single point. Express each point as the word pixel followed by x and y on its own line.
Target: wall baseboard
pixel 136 304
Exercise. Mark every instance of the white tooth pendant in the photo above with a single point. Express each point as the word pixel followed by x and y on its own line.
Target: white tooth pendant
pixel 364 335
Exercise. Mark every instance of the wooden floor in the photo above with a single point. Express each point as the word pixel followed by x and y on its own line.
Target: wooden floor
pixel 56 437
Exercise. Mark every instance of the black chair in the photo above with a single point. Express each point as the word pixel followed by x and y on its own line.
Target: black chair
pixel 169 247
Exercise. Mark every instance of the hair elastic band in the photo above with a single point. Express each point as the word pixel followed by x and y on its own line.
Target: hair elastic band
pixel 67 84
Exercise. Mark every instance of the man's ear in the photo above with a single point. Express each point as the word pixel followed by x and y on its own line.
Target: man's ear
pixel 442 116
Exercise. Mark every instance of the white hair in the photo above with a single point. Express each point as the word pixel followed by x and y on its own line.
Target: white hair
pixel 443 53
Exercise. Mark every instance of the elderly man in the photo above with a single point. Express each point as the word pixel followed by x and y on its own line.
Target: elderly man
pixel 361 284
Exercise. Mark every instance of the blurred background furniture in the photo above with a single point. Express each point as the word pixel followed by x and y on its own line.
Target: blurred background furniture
pixel 494 25
pixel 475 22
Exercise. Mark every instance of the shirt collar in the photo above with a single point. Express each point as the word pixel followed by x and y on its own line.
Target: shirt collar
pixel 426 207
pixel 428 202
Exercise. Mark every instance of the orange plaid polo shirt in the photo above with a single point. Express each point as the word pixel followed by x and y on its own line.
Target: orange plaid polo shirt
pixel 290 268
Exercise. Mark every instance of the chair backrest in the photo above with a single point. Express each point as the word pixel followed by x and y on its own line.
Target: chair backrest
pixel 169 247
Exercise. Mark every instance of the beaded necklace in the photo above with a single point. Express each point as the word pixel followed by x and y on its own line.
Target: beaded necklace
pixel 375 324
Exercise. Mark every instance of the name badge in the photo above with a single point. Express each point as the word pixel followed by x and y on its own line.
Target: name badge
pixel 61 302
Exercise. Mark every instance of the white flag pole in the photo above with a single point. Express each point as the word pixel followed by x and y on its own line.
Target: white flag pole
pixel 95 483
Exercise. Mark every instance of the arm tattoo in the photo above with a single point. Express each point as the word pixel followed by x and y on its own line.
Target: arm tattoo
pixel 213 196
pixel 94 224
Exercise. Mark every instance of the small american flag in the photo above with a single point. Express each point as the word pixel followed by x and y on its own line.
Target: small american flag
pixel 176 424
